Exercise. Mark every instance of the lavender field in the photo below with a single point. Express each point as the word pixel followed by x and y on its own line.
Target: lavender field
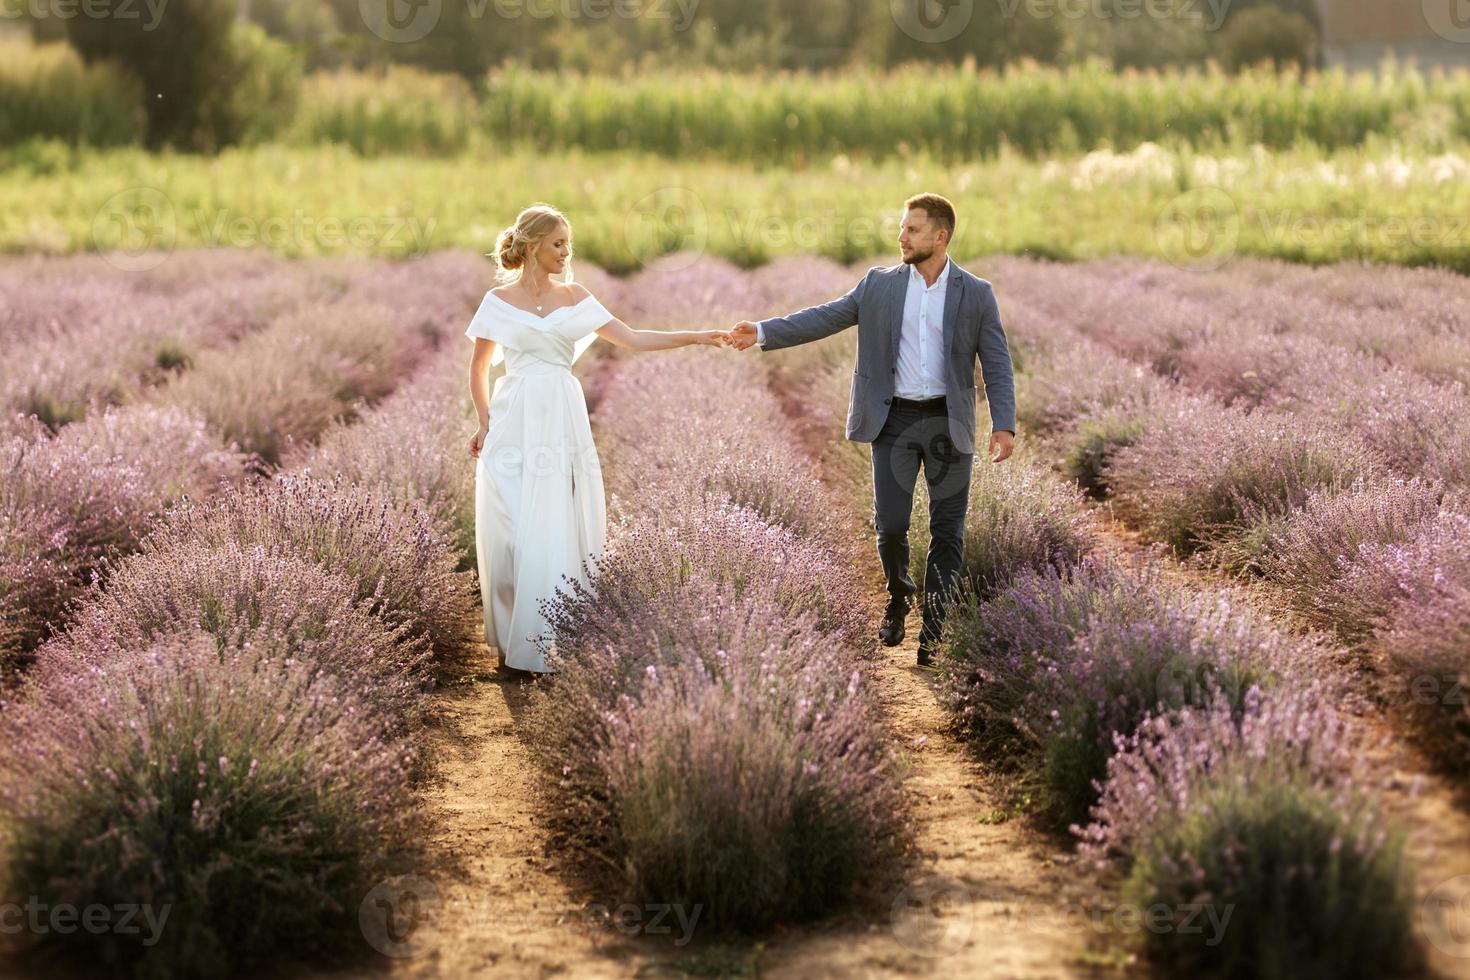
pixel 1199 712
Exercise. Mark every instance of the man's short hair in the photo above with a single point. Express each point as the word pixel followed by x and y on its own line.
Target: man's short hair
pixel 940 210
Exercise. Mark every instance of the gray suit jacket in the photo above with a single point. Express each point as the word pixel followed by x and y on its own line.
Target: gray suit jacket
pixel 972 328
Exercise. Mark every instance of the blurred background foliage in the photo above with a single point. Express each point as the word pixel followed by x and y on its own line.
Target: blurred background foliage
pixel 223 72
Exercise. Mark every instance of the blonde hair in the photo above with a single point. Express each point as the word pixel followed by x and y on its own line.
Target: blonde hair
pixel 516 245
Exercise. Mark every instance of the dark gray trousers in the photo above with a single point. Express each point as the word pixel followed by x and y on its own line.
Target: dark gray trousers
pixel 910 437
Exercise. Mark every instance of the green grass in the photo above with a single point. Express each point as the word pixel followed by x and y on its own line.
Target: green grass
pixel 1395 205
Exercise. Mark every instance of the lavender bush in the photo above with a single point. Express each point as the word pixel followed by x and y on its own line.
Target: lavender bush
pixel 1040 677
pixel 1314 886
pixel 1313 556
pixel 762 791
pixel 745 451
pixel 221 725
pixel 101 336
pixel 681 291
pixel 1411 318
pixel 252 803
pixel 814 383
pixel 1156 772
pixel 410 447
pixel 1256 349
pixel 70 502
pixel 1079 380
pixel 680 537
pixel 1093 445
pixel 708 725
pixel 1210 477
pixel 727 752
pixel 290 382
pixel 1019 518
pixel 397 557
pixel 248 598
pixel 1423 583
pixel 1427 651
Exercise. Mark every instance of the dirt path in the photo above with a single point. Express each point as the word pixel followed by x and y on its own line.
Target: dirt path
pixel 988 899
pixel 500 909
pixel 490 902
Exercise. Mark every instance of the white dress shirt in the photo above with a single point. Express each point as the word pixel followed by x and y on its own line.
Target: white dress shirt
pixel 921 342
pixel 921 339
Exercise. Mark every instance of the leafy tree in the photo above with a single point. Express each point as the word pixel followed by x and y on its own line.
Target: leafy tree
pixel 1262 34
pixel 208 81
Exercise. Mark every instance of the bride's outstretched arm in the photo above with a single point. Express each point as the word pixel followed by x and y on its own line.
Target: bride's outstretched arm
pixel 619 333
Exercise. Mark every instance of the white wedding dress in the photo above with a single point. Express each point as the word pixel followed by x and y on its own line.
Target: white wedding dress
pixel 539 506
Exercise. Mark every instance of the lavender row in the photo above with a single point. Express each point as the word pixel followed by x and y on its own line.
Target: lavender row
pixel 1410 319
pixel 711 726
pixel 1136 710
pixel 1246 359
pixel 226 733
pixel 1071 679
pixel 1414 319
pixel 73 499
pixel 1348 543
pixel 89 335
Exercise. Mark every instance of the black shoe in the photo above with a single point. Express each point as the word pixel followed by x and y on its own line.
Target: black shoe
pixel 926 656
pixel 892 630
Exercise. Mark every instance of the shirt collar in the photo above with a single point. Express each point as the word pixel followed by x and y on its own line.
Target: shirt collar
pixel 943 274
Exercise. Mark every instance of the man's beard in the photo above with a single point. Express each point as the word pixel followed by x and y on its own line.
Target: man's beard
pixel 915 257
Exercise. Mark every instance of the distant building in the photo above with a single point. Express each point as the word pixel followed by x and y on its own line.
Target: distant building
pixel 1359 33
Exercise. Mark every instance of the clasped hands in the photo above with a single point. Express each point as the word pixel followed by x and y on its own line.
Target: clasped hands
pixel 740 337
pixel 743 336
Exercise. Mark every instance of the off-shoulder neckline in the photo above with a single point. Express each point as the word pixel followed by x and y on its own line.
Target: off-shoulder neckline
pixel 536 316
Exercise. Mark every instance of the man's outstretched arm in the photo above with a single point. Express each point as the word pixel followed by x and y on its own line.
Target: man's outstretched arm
pixel 804 326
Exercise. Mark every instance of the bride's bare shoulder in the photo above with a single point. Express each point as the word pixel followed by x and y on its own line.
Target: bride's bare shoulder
pixel 579 292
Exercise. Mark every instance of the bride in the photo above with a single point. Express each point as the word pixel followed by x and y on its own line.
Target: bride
pixel 539 507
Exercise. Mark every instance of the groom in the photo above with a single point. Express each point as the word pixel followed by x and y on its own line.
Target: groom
pixel 921 325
